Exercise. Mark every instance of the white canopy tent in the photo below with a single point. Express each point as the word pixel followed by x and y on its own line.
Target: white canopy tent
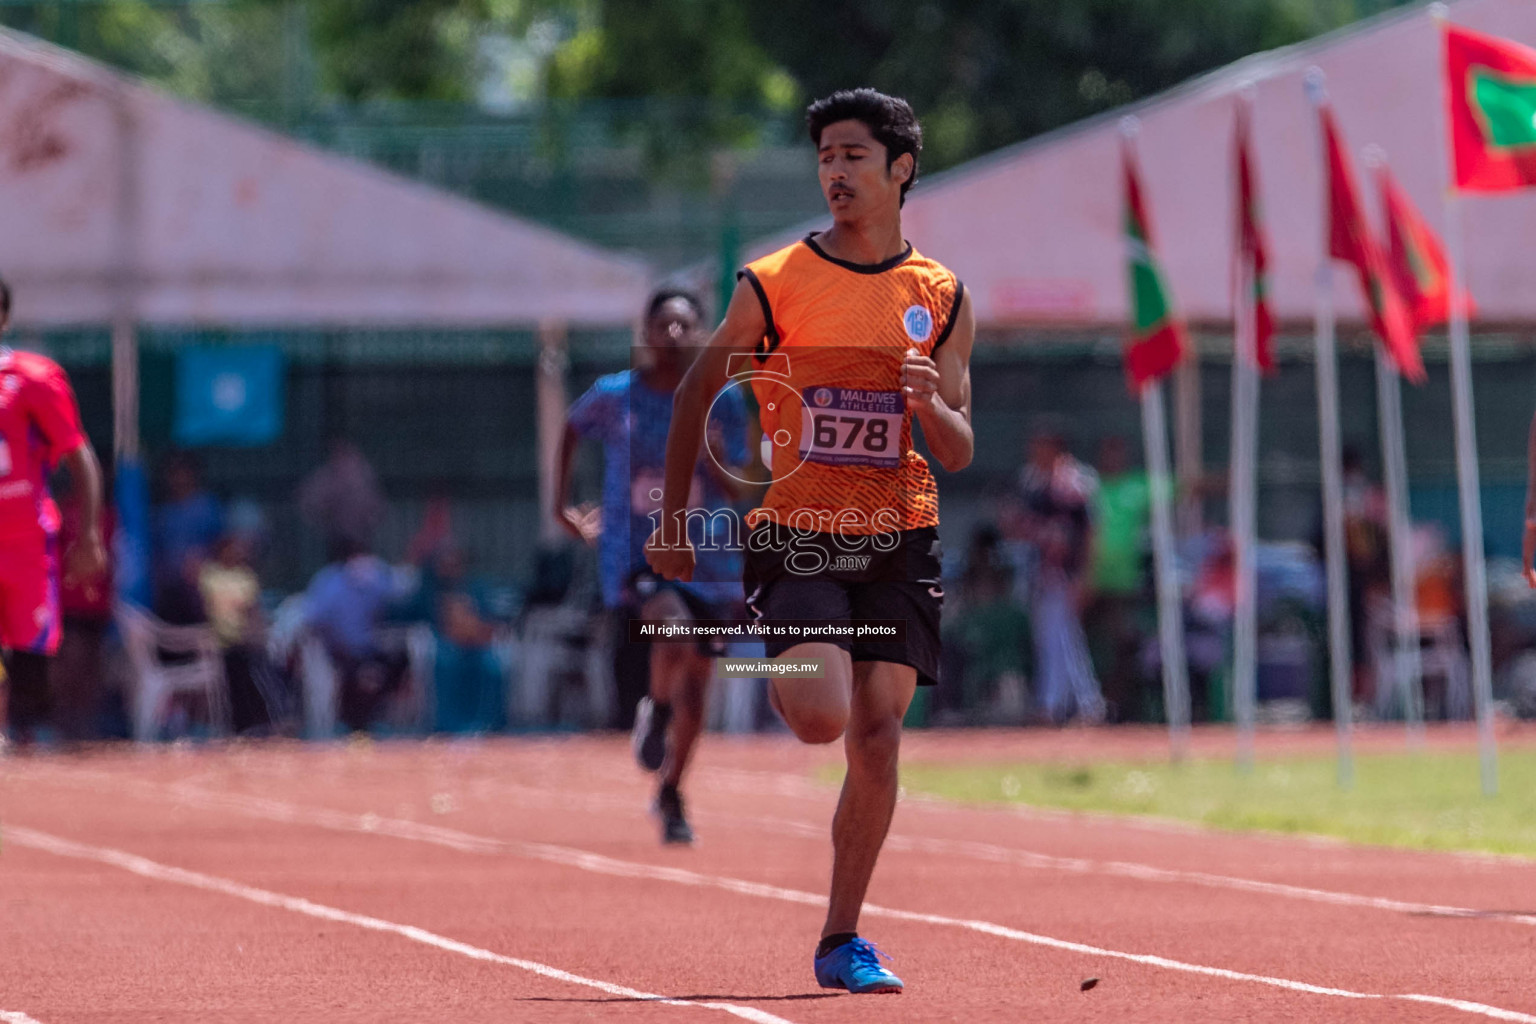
pixel 126 206
pixel 122 201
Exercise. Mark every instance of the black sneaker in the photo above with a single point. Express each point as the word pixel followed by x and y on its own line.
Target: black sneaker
pixel 674 826
pixel 649 736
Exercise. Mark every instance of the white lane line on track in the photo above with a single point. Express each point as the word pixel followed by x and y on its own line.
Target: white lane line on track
pixel 16 1017
pixel 165 873
pixel 997 854
pixel 903 842
pixel 600 864
pixel 990 852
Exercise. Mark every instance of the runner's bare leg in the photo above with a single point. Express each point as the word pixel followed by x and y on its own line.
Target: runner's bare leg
pixel 881 693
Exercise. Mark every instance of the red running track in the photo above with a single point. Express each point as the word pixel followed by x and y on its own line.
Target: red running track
pixel 521 880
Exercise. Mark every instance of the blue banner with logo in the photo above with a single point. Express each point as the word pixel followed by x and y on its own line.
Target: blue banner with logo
pixel 229 396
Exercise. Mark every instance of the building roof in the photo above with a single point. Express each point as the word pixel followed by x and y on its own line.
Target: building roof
pixel 117 195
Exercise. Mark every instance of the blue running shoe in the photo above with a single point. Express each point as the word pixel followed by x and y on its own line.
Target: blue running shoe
pixel 855 966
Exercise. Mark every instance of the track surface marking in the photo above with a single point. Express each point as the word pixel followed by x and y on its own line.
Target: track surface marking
pixel 587 861
pixel 180 876
pixel 544 848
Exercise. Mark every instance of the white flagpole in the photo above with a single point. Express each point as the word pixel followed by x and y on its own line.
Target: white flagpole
pixel 1245 396
pixel 1469 491
pixel 1170 614
pixel 1333 484
pixel 1407 666
pixel 1467 484
pixel 1407 663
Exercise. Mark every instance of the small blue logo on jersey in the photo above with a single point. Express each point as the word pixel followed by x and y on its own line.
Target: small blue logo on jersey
pixel 822 397
pixel 918 322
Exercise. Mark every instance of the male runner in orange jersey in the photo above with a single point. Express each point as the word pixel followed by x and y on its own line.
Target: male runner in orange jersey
pixel 869 336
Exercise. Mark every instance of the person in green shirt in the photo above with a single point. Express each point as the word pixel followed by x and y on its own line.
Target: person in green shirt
pixel 1122 508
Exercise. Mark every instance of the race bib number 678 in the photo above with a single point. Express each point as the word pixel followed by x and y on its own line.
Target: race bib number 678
pixel 849 427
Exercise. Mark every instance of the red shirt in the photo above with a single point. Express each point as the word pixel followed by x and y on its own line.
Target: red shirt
pixel 39 424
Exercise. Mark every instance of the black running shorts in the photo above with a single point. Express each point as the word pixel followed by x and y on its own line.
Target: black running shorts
pixel 792 574
pixel 644 583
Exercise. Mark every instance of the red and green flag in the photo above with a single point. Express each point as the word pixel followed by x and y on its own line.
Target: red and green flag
pixel 1350 240
pixel 1490 88
pixel 1253 249
pixel 1157 340
pixel 1416 258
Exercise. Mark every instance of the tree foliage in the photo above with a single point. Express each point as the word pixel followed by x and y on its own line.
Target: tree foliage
pixel 981 73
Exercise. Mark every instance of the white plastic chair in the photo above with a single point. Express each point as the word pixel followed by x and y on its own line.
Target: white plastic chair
pixel 149 642
pixel 319 687
pixel 561 646
pixel 286 631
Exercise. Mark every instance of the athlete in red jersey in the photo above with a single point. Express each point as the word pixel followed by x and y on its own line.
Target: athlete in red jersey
pixel 39 430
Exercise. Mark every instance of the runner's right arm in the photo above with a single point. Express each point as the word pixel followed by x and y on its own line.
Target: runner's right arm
pixel 584 522
pixel 668 550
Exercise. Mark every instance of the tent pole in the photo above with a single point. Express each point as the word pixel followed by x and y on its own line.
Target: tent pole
pixel 1241 503
pixel 551 402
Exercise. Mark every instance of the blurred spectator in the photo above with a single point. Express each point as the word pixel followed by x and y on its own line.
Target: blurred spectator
pixel 985 640
pixel 467 676
pixel 342 499
pixel 231 593
pixel 1208 626
pixel 1367 556
pixel 1370 560
pixel 1440 594
pixel 344 605
pixel 1122 508
pixel 188 521
pixel 1056 492
pixel 86 601
pixel 179 598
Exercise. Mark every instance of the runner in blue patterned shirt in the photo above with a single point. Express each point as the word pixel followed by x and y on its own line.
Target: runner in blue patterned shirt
pixel 630 413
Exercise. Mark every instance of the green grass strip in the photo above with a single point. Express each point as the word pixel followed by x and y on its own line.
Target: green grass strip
pixel 1428 801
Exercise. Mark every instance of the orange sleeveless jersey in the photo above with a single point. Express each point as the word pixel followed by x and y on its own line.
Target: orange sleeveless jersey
pixel 827 380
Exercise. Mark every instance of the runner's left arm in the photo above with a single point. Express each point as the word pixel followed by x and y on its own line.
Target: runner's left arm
pixel 938 389
pixel 87 556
